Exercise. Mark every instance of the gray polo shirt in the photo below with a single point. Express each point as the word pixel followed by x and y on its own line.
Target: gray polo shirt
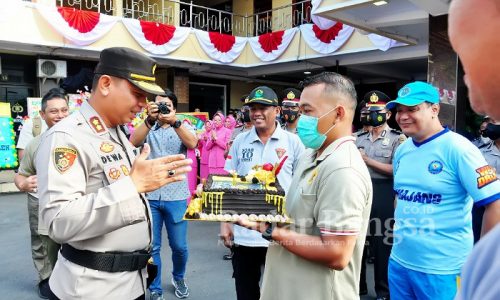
pixel 331 195
pixel 163 142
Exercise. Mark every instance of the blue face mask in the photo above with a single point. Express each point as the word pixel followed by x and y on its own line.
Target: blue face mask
pixel 307 129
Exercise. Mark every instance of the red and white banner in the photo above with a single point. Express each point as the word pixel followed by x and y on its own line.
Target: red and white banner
pixel 326 41
pixel 80 27
pixel 322 23
pixel 384 43
pixel 270 46
pixel 221 47
pixel 156 38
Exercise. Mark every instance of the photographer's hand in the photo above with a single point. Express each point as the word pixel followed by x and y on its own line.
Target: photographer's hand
pixel 152 111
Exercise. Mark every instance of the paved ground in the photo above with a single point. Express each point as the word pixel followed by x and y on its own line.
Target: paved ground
pixel 208 276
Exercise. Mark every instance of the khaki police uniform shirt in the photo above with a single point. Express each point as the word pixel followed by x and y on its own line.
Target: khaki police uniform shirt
pixel 27 169
pixel 381 149
pixel 329 195
pixel 88 200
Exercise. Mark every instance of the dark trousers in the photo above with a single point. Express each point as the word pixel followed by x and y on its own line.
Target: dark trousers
pixel 247 264
pixel 380 235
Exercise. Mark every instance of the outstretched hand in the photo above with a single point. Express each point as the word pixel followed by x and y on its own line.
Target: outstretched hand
pixel 150 175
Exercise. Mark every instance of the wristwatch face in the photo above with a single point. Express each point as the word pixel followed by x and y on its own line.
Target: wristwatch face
pixel 177 124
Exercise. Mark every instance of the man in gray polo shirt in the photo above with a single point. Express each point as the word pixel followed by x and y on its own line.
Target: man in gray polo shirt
pixel 265 143
pixel 319 256
pixel 166 135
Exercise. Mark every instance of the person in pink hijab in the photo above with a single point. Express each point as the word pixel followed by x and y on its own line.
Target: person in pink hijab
pixel 217 145
pixel 230 123
pixel 192 176
pixel 204 137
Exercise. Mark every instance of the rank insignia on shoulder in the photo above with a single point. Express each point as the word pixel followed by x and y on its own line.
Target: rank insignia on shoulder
pixel 107 147
pixel 64 158
pixel 96 124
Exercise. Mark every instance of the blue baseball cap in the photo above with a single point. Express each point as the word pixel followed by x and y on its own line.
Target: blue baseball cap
pixel 415 93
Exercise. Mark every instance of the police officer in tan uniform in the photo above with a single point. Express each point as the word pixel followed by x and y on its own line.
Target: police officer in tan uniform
pixel 92 185
pixel 377 148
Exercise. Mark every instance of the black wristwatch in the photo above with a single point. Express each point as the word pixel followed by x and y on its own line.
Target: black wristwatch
pixel 177 124
pixel 150 121
pixel 268 234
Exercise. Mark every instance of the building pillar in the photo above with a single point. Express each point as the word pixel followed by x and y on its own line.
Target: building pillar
pixel 445 72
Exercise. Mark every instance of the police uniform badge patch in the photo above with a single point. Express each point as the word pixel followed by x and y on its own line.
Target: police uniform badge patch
pixel 107 147
pixel 385 142
pixel 64 158
pixel 96 124
pixel 280 152
pixel 114 173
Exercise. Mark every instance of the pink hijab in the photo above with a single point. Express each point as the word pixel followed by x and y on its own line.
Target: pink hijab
pixel 232 122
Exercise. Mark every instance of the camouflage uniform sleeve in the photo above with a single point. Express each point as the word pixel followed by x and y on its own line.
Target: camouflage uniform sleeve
pixel 68 210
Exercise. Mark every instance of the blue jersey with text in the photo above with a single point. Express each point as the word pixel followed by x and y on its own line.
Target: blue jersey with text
pixel 437 182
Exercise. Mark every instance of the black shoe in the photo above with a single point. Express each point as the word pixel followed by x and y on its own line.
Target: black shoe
pixel 228 256
pixel 44 289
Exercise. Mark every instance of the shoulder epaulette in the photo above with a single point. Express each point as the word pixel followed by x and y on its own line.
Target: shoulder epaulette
pixel 484 145
pixel 363 133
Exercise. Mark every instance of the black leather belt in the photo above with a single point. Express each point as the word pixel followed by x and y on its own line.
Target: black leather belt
pixel 107 261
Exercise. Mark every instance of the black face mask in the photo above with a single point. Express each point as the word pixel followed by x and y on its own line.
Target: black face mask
pixel 376 119
pixel 492 131
pixel 289 116
pixel 364 120
pixel 246 116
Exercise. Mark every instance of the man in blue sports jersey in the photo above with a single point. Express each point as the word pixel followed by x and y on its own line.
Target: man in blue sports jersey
pixel 438 176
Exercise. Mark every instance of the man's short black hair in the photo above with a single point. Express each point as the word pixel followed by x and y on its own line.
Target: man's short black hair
pixel 334 83
pixel 52 94
pixel 170 95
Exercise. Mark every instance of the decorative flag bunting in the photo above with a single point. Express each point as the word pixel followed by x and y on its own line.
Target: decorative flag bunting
pixel 322 23
pixel 384 43
pixel 80 27
pixel 326 41
pixel 270 46
pixel 156 38
pixel 224 48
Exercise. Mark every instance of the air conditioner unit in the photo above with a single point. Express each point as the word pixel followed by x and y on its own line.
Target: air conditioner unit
pixel 49 68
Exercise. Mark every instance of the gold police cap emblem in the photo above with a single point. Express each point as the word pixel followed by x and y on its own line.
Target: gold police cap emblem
pixel 290 95
pixel 374 98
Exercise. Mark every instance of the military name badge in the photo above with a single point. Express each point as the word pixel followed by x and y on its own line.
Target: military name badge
pixel 280 152
pixel 107 147
pixel 64 158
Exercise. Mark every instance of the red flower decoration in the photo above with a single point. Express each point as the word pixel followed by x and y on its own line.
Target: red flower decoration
pixel 81 20
pixel 326 36
pixel 222 42
pixel 157 33
pixel 271 41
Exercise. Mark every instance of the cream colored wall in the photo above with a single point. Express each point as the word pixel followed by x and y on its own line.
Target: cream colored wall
pixel 242 8
pixel 32 29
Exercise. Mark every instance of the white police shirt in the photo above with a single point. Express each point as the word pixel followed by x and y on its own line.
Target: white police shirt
pixel 247 151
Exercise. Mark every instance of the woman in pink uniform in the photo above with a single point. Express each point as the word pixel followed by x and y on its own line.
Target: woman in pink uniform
pixel 204 137
pixel 192 176
pixel 217 144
